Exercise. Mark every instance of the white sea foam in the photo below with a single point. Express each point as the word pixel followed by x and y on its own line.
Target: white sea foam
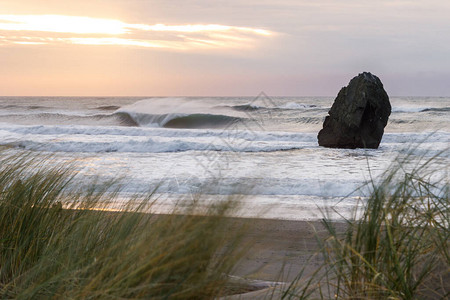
pixel 408 109
pixel 296 105
pixel 160 111
pixel 146 140
pixel 163 132
pixel 156 140
pixel 245 160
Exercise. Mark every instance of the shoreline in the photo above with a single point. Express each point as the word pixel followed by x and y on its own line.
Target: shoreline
pixel 305 209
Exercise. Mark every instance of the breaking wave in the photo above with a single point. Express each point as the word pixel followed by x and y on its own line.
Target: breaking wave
pixel 47 118
pixel 435 109
pixel 246 107
pixel 295 105
pixel 147 140
pixel 286 106
pixel 95 139
pixel 199 121
pixel 124 119
pixel 178 113
pixel 108 107
pixel 14 106
pixel 407 109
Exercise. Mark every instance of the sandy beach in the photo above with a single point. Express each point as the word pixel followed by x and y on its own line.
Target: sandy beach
pixel 277 251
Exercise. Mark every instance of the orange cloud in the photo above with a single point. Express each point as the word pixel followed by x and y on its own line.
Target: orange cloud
pixel 95 31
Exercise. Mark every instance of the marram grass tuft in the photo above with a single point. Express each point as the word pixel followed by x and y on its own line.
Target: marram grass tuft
pixel 395 247
pixel 79 253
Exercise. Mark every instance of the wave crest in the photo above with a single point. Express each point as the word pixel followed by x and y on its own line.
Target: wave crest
pixel 199 121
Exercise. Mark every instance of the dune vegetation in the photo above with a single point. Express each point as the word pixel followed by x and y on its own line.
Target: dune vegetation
pixel 396 246
pixel 53 244
pixel 80 253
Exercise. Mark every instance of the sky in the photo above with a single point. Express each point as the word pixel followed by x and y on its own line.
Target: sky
pixel 221 47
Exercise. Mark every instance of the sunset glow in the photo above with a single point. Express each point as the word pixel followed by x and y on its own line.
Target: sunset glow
pixel 124 34
pixel 233 47
pixel 57 23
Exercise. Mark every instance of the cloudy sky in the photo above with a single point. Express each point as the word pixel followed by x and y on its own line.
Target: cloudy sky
pixel 222 47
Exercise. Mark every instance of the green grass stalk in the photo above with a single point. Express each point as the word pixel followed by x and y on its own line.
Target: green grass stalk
pixel 50 252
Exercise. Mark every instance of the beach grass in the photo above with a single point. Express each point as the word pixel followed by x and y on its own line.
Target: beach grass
pixel 395 247
pixel 59 242
pixel 80 253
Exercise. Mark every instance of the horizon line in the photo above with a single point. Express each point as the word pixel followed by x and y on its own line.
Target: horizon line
pixel 202 96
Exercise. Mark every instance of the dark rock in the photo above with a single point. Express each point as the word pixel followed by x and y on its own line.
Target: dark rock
pixel 358 115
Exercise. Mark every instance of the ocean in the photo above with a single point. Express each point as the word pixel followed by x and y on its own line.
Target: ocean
pixel 261 150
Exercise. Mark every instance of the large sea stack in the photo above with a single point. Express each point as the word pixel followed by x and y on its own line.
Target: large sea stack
pixel 358 115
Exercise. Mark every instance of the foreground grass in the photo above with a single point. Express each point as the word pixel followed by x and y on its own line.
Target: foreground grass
pixel 50 252
pixel 397 249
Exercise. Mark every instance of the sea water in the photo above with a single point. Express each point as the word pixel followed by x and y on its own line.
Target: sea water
pixel 262 150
